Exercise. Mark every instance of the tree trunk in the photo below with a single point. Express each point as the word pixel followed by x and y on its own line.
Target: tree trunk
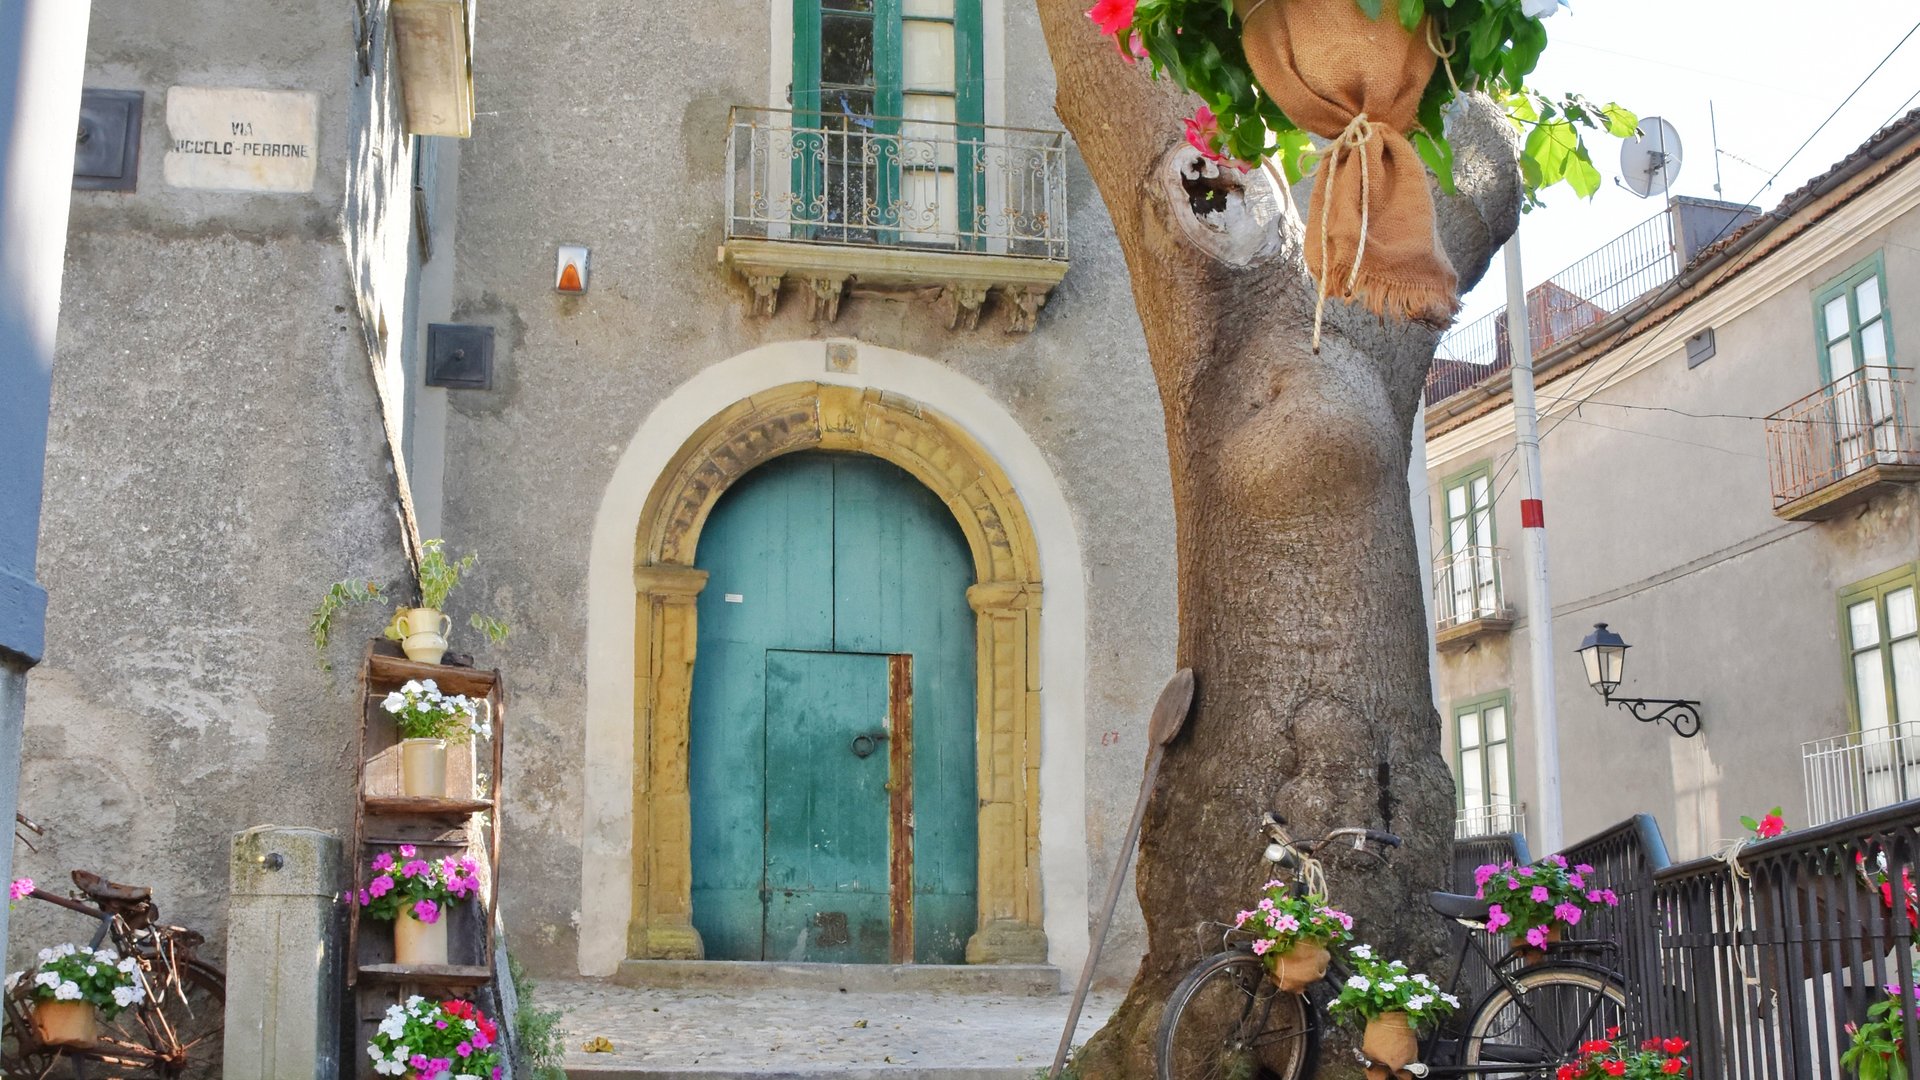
pixel 1301 609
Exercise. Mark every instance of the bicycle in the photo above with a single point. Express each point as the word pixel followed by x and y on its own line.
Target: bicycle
pixel 174 1033
pixel 1228 1020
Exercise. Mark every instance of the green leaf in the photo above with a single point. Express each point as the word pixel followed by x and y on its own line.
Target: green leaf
pixel 1438 154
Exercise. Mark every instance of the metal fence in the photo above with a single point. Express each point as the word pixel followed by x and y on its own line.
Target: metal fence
pixel 1856 421
pixel 1466 585
pixel 1639 260
pixel 896 182
pixel 1861 771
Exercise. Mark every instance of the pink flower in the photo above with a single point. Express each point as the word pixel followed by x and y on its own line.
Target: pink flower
pixel 20 888
pixel 1112 16
pixel 1497 918
pixel 426 911
pixel 1540 894
pixel 1260 947
pixel 1568 913
pixel 383 861
pixel 1537 937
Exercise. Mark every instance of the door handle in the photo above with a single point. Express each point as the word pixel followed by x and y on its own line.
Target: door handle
pixel 864 745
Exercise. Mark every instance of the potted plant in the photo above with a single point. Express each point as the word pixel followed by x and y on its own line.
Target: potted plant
pixel 428 721
pixel 1293 934
pixel 1393 1005
pixel 414 893
pixel 421 630
pixel 73 986
pixel 1539 902
pixel 1608 1058
pixel 1371 79
pixel 436 1040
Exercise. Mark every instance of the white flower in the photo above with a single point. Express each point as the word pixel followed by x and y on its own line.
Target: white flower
pixel 1364 952
pixel 67 991
pixel 47 978
pixel 1359 982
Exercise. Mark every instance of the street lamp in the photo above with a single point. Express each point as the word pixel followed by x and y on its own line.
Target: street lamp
pixel 1605 655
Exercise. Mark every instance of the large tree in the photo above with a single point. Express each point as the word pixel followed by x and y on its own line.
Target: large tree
pixel 1300 599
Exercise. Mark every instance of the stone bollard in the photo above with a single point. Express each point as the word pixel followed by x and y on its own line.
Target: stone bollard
pixel 285 941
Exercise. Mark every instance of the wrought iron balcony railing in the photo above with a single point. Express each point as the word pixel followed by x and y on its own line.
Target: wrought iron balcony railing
pixel 892 182
pixel 1473 821
pixel 1842 439
pixel 1466 586
pixel 1862 771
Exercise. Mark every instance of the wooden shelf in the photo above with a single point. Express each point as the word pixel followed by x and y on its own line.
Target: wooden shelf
pixel 457 975
pixel 425 806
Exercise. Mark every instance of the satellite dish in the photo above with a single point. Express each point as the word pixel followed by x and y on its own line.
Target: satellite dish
pixel 1650 161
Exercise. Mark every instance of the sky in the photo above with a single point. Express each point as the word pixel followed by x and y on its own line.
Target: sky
pixel 1772 69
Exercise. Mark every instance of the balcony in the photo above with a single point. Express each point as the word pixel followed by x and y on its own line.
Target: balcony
pixel 1842 445
pixel 1468 601
pixel 961 213
pixel 1862 771
pixel 1497 820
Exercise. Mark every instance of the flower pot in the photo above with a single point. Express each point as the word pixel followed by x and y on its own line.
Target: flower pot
pixel 423 633
pixel 1389 1041
pixel 66 1023
pixel 1300 967
pixel 423 768
pixel 1530 955
pixel 417 943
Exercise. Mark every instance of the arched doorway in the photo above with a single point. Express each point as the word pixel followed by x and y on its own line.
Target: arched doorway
pixel 1004 599
pixel 830 744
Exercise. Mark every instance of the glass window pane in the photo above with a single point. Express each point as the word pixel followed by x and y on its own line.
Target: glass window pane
pixel 1870 684
pixel 1906 681
pixel 1473 790
pixel 1469 730
pixel 1900 615
pixel 1866 299
pixel 1873 343
pixel 1496 723
pixel 846 50
pixel 927 55
pixel 1499 776
pixel 1836 318
pixel 1863 624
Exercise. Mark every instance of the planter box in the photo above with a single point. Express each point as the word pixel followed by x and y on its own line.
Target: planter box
pixel 433 47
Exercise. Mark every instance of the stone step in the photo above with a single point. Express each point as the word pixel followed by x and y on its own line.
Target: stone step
pixel 1018 980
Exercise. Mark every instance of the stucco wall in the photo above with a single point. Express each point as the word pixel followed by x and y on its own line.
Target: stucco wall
pixel 607 127
pixel 1661 525
pixel 215 459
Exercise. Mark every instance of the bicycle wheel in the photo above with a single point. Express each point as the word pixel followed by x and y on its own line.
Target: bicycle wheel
pixel 175 1036
pixel 1539 1023
pixel 1228 1021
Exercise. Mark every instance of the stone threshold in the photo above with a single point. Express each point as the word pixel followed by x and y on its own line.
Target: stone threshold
pixel 1007 980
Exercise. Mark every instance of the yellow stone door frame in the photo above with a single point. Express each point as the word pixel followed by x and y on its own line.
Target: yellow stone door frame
pixel 1005 599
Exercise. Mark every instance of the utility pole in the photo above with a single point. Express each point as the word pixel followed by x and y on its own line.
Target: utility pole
pixel 1533 527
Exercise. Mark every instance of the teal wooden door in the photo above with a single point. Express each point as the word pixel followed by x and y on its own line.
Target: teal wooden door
pixel 821 568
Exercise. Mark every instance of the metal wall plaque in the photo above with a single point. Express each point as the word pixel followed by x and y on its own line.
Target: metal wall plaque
pixel 460 356
pixel 106 150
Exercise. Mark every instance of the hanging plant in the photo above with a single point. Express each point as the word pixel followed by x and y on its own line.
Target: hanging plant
pixel 1371 79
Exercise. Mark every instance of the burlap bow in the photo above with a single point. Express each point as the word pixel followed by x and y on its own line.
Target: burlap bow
pixel 1357 82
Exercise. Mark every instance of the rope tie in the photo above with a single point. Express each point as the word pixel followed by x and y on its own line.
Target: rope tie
pixel 1355 136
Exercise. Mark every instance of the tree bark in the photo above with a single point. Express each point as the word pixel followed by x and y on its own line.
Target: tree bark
pixel 1301 608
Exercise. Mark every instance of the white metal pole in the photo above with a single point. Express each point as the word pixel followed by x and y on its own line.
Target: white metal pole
pixel 1533 523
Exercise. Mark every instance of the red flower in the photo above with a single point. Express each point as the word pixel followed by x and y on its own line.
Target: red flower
pixel 1112 16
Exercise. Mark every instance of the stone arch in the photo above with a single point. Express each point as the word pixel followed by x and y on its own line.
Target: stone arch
pixel 1005 597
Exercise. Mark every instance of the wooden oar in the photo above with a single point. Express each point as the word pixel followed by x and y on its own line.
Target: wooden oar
pixel 1169 716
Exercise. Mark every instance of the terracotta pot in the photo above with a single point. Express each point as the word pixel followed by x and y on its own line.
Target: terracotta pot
pixel 423 633
pixel 1530 955
pixel 66 1023
pixel 1389 1040
pixel 416 943
pixel 1300 967
pixel 423 768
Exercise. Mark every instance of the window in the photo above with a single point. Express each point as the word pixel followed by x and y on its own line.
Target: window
pixel 1856 352
pixel 894 95
pixel 1472 588
pixel 1883 673
pixel 1484 766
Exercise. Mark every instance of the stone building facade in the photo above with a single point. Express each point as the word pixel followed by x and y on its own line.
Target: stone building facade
pixel 242 415
pixel 1728 456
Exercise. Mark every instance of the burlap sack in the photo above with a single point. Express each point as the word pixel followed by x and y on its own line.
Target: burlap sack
pixel 1357 81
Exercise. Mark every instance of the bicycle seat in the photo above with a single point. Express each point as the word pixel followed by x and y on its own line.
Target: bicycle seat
pixel 106 892
pixel 1456 906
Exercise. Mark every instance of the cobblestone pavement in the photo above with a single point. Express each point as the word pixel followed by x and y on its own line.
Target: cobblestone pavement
pixel 824 1032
